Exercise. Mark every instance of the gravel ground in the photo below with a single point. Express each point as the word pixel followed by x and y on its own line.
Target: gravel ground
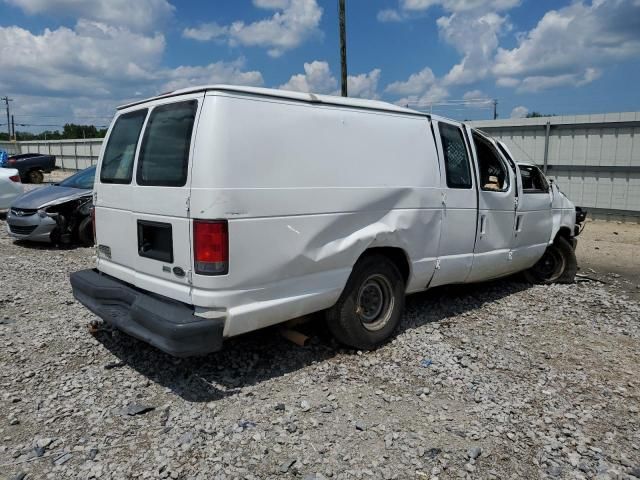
pixel 610 248
pixel 501 380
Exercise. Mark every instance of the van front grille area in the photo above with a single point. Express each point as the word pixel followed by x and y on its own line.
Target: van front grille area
pixel 20 230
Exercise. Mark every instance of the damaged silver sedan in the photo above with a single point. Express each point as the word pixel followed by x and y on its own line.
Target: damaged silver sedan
pixel 59 213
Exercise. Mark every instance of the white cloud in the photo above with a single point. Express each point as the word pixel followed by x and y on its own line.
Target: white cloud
pixel 408 9
pixel 294 22
pixel 417 4
pixel 571 45
pixel 135 14
pixel 542 82
pixel 434 94
pixel 389 15
pixel 519 112
pixel 220 72
pixel 507 82
pixel 420 89
pixel 476 38
pixel 205 32
pixel 414 85
pixel 364 85
pixel 318 78
pixel 472 27
pixel 460 5
pixel 475 95
pixel 93 59
pixel 104 63
pixel 271 4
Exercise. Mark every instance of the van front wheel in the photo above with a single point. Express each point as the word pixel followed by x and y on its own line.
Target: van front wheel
pixel 370 307
pixel 557 265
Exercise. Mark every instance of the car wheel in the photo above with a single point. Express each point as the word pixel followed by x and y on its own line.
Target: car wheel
pixel 36 176
pixel 85 232
pixel 370 307
pixel 557 265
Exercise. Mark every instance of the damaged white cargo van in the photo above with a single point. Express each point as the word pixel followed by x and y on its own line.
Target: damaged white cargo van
pixel 220 210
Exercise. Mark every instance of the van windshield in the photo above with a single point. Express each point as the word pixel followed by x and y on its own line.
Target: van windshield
pixel 117 161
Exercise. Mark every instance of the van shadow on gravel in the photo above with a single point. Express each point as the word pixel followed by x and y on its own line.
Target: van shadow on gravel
pixel 264 355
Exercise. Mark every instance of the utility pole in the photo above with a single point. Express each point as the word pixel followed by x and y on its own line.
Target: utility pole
pixel 13 127
pixel 6 101
pixel 343 46
pixel 495 109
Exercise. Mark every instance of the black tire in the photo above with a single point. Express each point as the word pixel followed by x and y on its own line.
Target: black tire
pixel 85 232
pixel 558 264
pixel 35 176
pixel 371 305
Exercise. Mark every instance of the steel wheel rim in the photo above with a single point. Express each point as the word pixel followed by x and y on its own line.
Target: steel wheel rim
pixel 374 303
pixel 550 266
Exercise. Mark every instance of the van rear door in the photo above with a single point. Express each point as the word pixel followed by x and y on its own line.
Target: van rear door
pixel 143 224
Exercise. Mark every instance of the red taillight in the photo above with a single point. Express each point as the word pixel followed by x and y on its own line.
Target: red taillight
pixel 15 178
pixel 211 247
pixel 93 223
pixel 11 161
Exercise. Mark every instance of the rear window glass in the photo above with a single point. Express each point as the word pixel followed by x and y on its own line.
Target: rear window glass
pixel 117 162
pixel 164 154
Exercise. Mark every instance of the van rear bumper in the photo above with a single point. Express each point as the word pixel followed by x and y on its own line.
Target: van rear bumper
pixel 164 323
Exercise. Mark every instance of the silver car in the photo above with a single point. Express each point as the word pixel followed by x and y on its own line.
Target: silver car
pixel 58 213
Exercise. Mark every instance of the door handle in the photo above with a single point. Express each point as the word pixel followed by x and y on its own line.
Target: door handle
pixel 519 223
pixel 483 224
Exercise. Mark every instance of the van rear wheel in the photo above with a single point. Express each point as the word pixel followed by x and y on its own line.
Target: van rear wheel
pixel 557 265
pixel 370 307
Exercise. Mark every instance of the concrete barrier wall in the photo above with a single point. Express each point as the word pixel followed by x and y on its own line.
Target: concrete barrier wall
pixel 595 159
pixel 10 147
pixel 70 154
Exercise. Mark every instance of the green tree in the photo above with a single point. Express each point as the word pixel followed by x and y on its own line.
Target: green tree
pixel 535 114
pixel 69 131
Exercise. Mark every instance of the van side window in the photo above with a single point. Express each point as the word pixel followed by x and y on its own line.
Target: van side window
pixel 533 180
pixel 456 160
pixel 494 176
pixel 164 154
pixel 117 161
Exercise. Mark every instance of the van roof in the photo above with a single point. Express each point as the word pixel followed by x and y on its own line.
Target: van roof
pixel 299 96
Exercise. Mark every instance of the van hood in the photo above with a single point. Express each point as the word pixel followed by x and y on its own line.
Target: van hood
pixel 47 196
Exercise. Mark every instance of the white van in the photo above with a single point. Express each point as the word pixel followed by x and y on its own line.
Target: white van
pixel 220 210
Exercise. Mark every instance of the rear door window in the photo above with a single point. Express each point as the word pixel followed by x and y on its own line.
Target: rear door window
pixel 456 160
pixel 117 161
pixel 164 154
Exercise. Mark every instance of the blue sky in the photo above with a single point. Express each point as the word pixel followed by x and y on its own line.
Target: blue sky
pixel 74 60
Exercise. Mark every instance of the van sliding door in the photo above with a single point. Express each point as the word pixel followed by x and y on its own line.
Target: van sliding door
pixel 459 206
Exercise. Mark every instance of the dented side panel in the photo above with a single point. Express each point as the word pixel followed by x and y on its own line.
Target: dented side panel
pixel 306 192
